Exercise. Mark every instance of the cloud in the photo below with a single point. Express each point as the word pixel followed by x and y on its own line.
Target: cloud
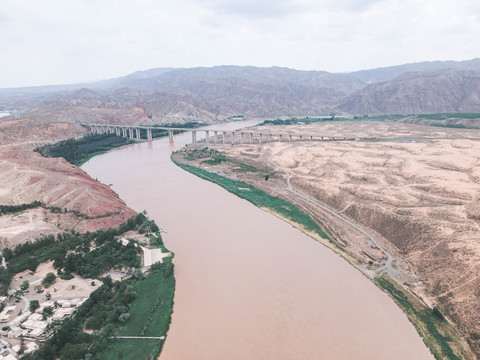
pixel 270 9
pixel 57 41
pixel 255 9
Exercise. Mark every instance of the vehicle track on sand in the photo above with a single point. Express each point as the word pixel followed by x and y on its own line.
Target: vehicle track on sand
pixel 389 266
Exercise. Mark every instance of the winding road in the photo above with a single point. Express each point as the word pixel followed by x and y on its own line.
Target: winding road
pixel 27 304
pixel 388 267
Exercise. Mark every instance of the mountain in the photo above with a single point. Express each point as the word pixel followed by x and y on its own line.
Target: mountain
pixel 388 73
pixel 416 93
pixel 202 94
pixel 176 95
pixel 124 81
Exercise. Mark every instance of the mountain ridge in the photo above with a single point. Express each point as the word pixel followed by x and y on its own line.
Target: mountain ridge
pixel 212 94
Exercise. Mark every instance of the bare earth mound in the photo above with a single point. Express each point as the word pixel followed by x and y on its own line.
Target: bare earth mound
pixel 26 176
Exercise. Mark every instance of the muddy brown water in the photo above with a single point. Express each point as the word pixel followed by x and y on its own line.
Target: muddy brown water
pixel 250 286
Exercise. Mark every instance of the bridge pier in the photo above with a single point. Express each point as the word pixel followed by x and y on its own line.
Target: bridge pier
pixel 251 138
pixel 269 137
pixel 117 131
pixel 149 135
pixel 233 137
pixel 214 138
pixel 260 138
pixel 130 133
pixel 207 135
pixel 194 137
pixel 137 133
pixel 311 138
pixel 289 137
pixel 170 136
pixel 241 138
pixel 223 137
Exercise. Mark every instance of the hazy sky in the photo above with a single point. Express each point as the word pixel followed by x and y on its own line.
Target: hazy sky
pixel 66 41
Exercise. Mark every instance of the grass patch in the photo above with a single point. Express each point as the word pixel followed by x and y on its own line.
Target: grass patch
pixel 259 198
pixel 150 315
pixel 436 332
pixel 151 310
pixel 138 349
pixel 212 158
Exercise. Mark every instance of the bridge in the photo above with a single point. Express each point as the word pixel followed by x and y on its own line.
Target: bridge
pixel 214 137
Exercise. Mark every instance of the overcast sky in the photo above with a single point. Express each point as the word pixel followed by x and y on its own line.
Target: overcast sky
pixel 67 41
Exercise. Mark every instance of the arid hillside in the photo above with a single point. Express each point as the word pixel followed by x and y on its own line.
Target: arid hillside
pixel 418 93
pixel 85 204
pixel 416 188
pixel 29 131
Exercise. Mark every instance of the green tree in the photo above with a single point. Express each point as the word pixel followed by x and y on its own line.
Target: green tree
pixel 48 279
pixel 47 311
pixel 34 305
pixel 7 254
pixel 436 312
pixel 25 285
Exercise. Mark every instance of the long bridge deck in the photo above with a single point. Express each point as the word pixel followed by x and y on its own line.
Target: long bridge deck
pixel 212 136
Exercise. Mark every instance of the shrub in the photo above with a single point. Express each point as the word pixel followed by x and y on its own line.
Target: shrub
pixel 49 279
pixel 25 285
pixel 66 276
pixel 34 305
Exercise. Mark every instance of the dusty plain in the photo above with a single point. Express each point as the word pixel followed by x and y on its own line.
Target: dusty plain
pixel 416 189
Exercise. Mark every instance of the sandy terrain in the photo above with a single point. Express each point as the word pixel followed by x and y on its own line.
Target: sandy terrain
pixel 26 176
pixel 417 193
pixel 60 290
pixel 76 288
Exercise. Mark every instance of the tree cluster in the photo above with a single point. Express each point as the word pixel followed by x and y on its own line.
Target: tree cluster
pixel 9 209
pixel 77 150
pixel 30 254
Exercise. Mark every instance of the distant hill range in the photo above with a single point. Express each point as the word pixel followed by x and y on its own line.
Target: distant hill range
pixel 389 73
pixel 213 94
pixel 450 90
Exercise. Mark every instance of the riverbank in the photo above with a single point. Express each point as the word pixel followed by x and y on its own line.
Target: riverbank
pixel 441 338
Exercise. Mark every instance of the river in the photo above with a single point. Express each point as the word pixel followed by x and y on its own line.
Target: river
pixel 250 286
